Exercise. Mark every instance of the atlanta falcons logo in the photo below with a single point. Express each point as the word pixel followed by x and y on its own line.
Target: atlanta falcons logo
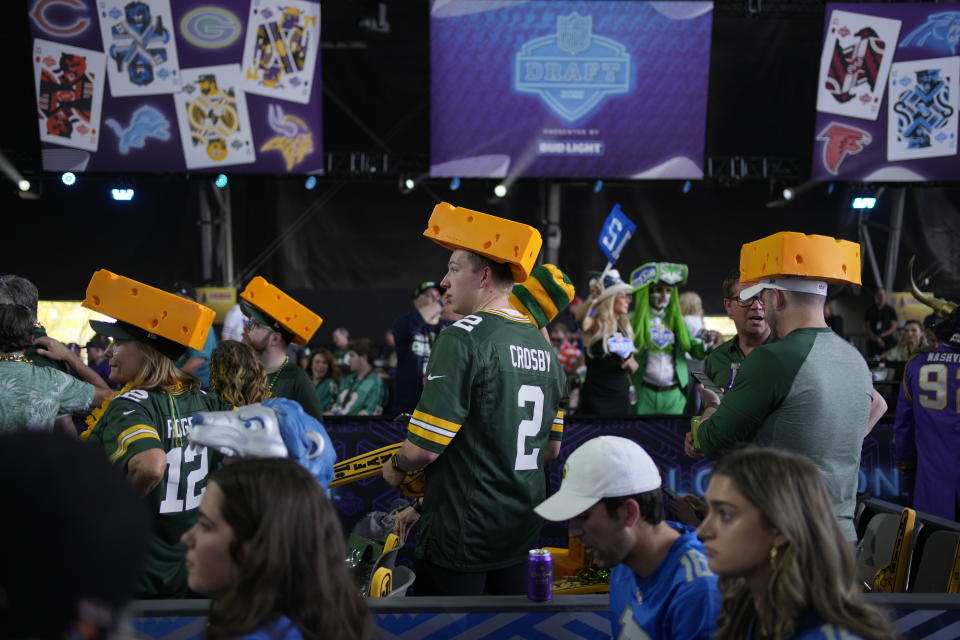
pixel 840 141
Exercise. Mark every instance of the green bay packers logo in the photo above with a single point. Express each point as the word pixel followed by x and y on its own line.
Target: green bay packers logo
pixel 573 70
pixel 210 27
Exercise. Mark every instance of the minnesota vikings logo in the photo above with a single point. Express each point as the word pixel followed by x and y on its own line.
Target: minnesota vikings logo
pixel 840 141
pixel 572 70
pixel 293 139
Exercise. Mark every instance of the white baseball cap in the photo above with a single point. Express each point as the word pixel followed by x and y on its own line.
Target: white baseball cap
pixel 605 467
pixel 800 285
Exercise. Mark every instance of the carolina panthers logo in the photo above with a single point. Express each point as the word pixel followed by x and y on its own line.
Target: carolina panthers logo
pixel 941 30
pixel 841 140
pixel 572 70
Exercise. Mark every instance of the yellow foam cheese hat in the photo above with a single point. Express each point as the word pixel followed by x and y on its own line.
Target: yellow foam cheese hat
pixel 501 240
pixel 790 254
pixel 289 314
pixel 156 311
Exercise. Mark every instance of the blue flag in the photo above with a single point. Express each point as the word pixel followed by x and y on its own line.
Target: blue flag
pixel 616 230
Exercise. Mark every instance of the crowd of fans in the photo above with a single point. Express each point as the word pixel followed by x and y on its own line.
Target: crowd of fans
pixel 765 572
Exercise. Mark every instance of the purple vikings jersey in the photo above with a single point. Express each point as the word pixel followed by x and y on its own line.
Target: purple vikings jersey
pixel 928 429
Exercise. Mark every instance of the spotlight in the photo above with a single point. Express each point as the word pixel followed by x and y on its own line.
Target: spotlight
pixel 454 184
pixel 221 180
pixel 23 185
pixel 500 190
pixel 310 183
pixel 788 194
pixel 406 184
pixel 68 178
pixel 598 186
pixel 122 194
pixel 864 202
pixel 687 185
pixel 409 183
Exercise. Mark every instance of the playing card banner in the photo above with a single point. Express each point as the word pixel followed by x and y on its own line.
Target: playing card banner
pixel 557 88
pixel 888 96
pixel 184 85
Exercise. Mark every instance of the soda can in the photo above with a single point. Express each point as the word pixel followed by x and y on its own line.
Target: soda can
pixel 540 575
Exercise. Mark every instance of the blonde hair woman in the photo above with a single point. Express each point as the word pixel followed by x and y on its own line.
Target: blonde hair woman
pixel 786 570
pixel 608 347
pixel 691 306
pixel 145 432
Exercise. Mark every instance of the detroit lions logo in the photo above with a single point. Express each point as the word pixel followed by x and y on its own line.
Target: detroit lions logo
pixel 293 139
pixel 943 29
pixel 146 122
pixel 840 141
pixel 573 70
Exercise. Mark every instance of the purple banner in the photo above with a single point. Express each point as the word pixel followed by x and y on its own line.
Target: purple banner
pixel 191 85
pixel 569 89
pixel 662 437
pixel 888 93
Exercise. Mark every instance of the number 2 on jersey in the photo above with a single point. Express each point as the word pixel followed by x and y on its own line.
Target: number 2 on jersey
pixel 528 428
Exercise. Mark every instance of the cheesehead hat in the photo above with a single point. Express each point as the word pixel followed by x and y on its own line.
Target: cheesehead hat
pixel 792 261
pixel 279 311
pixel 498 239
pixel 163 320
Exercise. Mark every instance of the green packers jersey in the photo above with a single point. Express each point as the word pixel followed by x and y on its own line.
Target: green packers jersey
pixel 490 404
pixel 139 420
pixel 293 384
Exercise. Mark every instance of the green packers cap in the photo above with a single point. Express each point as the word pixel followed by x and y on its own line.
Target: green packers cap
pixel 543 295
pixel 121 330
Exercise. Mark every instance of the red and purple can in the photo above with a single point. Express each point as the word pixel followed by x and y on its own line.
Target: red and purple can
pixel 540 575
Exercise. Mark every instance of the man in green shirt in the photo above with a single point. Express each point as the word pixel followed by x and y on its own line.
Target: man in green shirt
pixel 488 419
pixel 270 337
pixel 809 392
pixel 752 331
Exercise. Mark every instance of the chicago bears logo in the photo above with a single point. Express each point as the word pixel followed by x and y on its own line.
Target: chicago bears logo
pixel 54 17
pixel 841 140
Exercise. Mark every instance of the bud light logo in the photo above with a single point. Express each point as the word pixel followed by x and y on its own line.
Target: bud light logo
pixel 572 70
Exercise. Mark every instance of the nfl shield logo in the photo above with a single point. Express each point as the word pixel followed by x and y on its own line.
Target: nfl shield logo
pixel 573 33
pixel 573 69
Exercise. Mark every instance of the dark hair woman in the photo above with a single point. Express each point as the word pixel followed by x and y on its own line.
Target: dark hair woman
pixel 269 550
pixel 325 376
pixel 786 570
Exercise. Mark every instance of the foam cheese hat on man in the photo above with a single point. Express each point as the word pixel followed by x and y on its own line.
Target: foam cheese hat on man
pixel 498 239
pixel 146 314
pixel 792 261
pixel 277 310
